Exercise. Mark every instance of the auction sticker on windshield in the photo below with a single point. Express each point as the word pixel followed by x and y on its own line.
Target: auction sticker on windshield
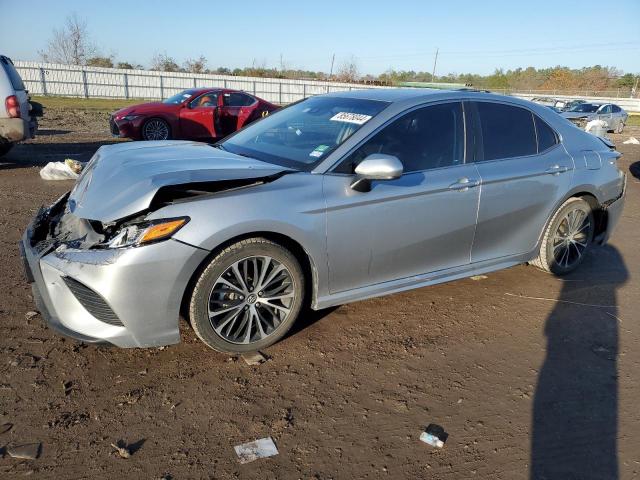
pixel 319 151
pixel 357 118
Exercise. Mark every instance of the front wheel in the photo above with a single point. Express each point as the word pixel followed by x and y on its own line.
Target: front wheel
pixel 620 127
pixel 156 129
pixel 248 296
pixel 567 238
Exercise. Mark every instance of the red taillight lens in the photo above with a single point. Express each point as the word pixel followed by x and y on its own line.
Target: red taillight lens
pixel 13 106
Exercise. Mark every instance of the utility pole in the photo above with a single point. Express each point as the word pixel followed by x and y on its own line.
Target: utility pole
pixel 435 61
pixel 333 58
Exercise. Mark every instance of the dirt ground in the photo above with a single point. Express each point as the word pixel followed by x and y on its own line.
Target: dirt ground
pixel 530 375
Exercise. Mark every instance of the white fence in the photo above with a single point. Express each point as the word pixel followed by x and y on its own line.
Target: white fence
pixel 94 82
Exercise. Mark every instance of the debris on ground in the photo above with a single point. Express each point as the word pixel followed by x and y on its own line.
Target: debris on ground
pixel 478 277
pixel 121 450
pixel 254 358
pixel 632 141
pixel 261 448
pixel 597 127
pixel 434 435
pixel 67 170
pixel 29 451
pixel 31 314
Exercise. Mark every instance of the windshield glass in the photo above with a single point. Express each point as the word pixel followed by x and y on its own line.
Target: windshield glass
pixel 178 98
pixel 584 107
pixel 303 134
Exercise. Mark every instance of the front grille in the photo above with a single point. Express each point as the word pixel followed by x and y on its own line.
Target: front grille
pixel 93 302
pixel 114 127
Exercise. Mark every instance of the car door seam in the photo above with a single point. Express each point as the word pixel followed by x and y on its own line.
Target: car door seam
pixel 475 228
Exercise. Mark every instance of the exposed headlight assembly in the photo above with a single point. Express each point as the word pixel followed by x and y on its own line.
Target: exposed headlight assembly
pixel 143 233
pixel 130 117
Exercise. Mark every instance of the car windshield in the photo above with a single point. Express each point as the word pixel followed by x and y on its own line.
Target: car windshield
pixel 303 134
pixel 585 108
pixel 178 98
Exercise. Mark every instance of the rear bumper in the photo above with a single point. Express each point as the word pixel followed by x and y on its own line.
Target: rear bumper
pixel 614 212
pixel 142 286
pixel 17 129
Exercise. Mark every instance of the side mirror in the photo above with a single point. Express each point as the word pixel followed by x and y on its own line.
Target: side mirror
pixel 377 166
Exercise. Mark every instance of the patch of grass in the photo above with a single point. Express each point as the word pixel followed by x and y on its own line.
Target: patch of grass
pixel 633 120
pixel 99 104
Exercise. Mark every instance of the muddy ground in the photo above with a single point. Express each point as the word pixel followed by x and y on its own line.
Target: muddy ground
pixel 538 386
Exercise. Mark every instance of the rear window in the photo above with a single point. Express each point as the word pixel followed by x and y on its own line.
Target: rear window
pixel 507 131
pixel 547 138
pixel 12 73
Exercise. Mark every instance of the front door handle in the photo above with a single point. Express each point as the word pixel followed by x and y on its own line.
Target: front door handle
pixel 556 169
pixel 463 184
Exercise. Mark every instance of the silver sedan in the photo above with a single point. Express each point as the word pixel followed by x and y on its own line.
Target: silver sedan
pixel 334 199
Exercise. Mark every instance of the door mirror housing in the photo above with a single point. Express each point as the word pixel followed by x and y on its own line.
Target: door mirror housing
pixel 377 166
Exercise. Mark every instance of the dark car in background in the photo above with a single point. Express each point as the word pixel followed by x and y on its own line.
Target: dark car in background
pixel 193 114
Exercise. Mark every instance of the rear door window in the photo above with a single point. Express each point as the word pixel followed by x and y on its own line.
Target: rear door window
pixel 507 131
pixel 237 99
pixel 616 109
pixel 12 73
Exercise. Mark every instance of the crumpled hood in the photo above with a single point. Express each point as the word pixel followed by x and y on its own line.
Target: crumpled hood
pixel 121 180
pixel 577 114
pixel 141 108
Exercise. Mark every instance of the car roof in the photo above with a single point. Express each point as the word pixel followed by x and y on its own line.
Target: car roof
pixel 388 94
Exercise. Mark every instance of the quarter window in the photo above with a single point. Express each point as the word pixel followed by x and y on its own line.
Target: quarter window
pixel 426 138
pixel 547 138
pixel 507 131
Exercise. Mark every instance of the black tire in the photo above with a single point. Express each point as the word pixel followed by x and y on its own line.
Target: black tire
pixel 564 246
pixel 5 147
pixel 204 297
pixel 148 131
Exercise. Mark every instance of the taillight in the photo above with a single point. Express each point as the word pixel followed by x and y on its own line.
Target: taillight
pixel 13 106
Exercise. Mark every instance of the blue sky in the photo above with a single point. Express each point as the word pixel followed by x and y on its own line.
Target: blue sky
pixel 472 36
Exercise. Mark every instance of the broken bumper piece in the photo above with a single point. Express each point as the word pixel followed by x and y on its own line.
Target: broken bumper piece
pixel 129 297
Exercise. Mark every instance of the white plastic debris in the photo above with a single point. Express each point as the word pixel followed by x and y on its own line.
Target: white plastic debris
pixel 478 277
pixel 632 141
pixel 67 170
pixel 254 358
pixel 597 127
pixel 261 448
pixel 434 435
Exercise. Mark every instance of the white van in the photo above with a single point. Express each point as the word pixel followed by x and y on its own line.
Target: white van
pixel 16 123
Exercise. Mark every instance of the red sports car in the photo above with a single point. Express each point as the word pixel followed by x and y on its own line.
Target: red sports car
pixel 194 114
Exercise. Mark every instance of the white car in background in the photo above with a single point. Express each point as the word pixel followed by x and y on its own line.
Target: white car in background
pixel 16 122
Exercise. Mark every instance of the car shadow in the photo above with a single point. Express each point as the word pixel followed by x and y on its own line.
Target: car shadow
pixel 634 168
pixel 575 407
pixel 307 318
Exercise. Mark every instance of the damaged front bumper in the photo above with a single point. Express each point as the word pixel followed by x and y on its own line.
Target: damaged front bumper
pixel 129 297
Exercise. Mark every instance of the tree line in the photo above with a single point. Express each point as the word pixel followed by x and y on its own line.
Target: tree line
pixel 72 45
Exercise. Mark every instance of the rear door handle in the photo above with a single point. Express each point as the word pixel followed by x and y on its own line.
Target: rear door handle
pixel 556 169
pixel 464 184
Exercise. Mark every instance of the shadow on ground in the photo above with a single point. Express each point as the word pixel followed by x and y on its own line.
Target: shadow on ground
pixel 575 405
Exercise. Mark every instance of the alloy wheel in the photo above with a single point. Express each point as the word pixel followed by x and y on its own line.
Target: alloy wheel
pixel 571 238
pixel 156 129
pixel 251 299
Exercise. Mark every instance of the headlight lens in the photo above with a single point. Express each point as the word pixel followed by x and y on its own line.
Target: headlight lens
pixel 144 233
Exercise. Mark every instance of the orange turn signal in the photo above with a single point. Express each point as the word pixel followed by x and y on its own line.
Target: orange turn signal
pixel 162 230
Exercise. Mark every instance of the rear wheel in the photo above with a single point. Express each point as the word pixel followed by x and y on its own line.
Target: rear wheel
pixel 5 147
pixel 568 238
pixel 248 296
pixel 156 129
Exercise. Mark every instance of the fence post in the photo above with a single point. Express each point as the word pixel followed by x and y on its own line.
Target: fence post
pixel 280 93
pixel 43 81
pixel 304 90
pixel 126 85
pixel 254 87
pixel 161 88
pixel 195 85
pixel 224 83
pixel 84 83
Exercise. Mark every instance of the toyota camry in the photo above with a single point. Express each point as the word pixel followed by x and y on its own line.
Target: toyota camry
pixel 336 198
